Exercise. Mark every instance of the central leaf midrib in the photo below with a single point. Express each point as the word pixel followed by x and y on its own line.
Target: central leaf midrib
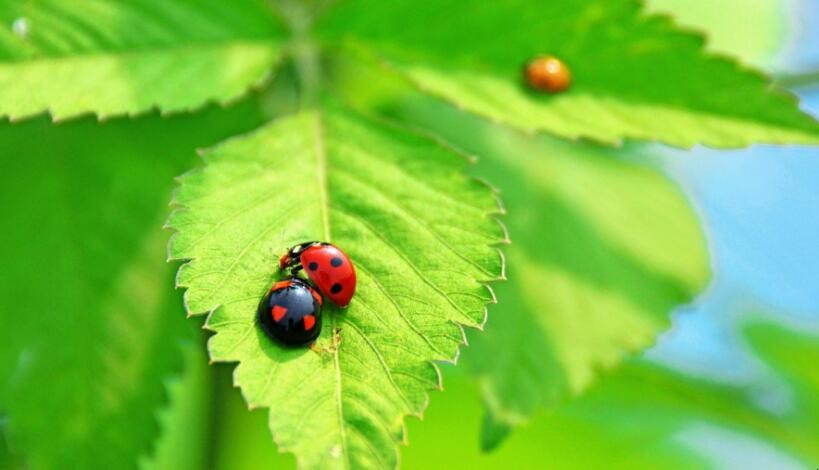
pixel 324 203
pixel 321 175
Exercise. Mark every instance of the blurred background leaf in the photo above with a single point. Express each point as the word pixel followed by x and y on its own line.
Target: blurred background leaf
pixel 70 57
pixel 635 76
pixel 650 416
pixel 187 419
pixel 603 249
pixel 752 31
pixel 243 439
pixel 89 323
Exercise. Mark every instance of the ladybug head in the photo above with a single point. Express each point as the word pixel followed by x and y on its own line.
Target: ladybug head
pixel 292 256
pixel 284 261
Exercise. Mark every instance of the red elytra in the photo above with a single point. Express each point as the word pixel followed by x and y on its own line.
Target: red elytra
pixel 331 270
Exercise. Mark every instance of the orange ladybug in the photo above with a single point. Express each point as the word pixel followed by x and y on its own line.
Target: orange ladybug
pixel 547 73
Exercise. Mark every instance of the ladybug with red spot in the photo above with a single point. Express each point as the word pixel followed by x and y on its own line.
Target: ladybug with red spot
pixel 291 312
pixel 326 265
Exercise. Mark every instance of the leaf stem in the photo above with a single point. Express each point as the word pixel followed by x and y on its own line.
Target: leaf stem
pixel 798 80
pixel 305 53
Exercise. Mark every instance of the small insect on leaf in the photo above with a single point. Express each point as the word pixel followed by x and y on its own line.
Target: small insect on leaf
pixel 291 313
pixel 329 269
pixel 547 73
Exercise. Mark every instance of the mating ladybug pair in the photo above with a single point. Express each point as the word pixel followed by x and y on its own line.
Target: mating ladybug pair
pixel 291 312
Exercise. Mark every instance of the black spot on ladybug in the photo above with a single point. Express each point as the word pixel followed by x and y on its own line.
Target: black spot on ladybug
pixel 336 288
pixel 336 262
pixel 312 266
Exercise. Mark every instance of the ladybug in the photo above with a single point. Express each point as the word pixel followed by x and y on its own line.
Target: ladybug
pixel 291 312
pixel 327 266
pixel 547 73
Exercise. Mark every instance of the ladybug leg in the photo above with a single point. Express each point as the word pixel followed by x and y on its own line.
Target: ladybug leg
pixel 336 338
pixel 292 267
pixel 332 349
pixel 322 350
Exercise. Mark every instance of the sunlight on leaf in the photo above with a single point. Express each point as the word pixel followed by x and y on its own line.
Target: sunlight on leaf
pixel 671 406
pixel 399 205
pixel 125 57
pixel 602 251
pixel 755 37
pixel 634 76
pixel 648 416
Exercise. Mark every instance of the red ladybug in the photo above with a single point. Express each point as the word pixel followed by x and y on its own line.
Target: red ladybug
pixel 291 312
pixel 327 266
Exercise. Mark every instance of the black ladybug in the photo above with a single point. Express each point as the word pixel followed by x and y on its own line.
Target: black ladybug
pixel 291 312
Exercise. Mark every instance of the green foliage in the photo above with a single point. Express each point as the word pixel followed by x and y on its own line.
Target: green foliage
pixel 753 37
pixel 125 57
pixel 603 249
pixel 665 402
pixel 557 440
pixel 399 205
pixel 90 326
pixel 635 76
pixel 243 437
pixel 185 421
pixel 9 460
pixel 642 417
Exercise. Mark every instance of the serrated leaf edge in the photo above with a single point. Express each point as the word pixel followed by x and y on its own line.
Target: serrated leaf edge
pixel 177 206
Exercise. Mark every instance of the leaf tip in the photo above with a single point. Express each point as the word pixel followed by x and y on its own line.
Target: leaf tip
pixel 493 433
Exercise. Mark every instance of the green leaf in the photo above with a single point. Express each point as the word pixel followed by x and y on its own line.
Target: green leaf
pixel 9 460
pixel 602 250
pixel 242 439
pixel 755 37
pixel 419 233
pixel 634 76
pixel 185 422
pixel 89 326
pixel 125 57
pixel 775 407
pixel 648 416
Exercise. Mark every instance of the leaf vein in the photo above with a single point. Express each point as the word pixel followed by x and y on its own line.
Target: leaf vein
pixel 407 261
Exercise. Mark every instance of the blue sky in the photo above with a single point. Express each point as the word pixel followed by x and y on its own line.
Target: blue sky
pixel 760 208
